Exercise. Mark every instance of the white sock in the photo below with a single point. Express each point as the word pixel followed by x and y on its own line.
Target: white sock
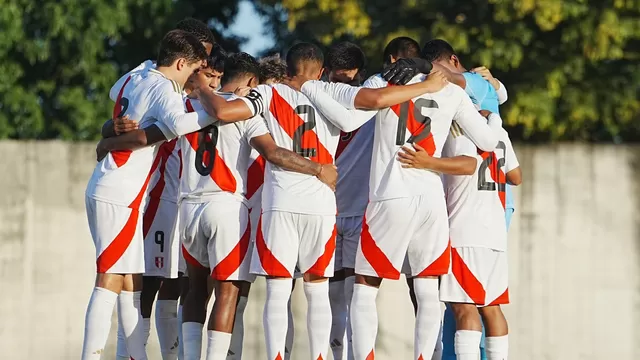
pixel 437 353
pixel 348 296
pixel 291 330
pixel 192 336
pixel 364 320
pixel 121 344
pixel 217 344
pixel 428 318
pixel 180 340
pixel 97 323
pixel 235 348
pixel 132 325
pixel 497 347
pixel 167 328
pixel 318 318
pixel 467 344
pixel 338 320
pixel 274 318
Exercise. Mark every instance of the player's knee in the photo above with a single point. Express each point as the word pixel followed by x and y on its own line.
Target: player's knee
pixel 169 290
pixel 227 291
pixel 466 316
pixel 308 277
pixel 491 313
pixel 111 282
pixel 368 280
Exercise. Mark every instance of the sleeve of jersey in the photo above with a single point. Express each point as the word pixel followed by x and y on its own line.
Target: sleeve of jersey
pixel 511 161
pixel 474 125
pixel 115 89
pixel 460 144
pixel 502 94
pixel 174 122
pixel 258 99
pixel 332 100
pixel 255 127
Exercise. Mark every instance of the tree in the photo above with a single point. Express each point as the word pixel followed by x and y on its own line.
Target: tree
pixel 59 58
pixel 571 66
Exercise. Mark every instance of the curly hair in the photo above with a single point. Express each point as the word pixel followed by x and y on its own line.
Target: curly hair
pixel 272 68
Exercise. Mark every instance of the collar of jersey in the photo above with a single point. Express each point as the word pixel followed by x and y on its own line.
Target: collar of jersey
pixel 175 84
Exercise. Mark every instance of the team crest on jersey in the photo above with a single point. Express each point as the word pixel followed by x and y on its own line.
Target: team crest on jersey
pixel 159 262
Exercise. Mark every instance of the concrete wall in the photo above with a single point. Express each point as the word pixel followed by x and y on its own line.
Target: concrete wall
pixel 573 251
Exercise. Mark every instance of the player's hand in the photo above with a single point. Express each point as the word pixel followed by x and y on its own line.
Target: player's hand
pixel 486 74
pixel 416 158
pixel 123 125
pixel 403 70
pixel 436 81
pixel 242 91
pixel 101 150
pixel 329 175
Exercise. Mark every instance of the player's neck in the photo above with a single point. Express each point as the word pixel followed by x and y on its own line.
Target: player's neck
pixel 231 87
pixel 170 73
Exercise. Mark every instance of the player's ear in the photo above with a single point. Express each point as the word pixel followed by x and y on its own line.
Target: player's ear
pixel 455 61
pixel 253 82
pixel 320 73
pixel 180 63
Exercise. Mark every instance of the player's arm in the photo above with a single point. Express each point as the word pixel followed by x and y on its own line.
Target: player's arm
pixel 384 97
pixel 117 126
pixel 173 121
pixel 462 159
pixel 454 78
pixel 475 126
pixel 132 140
pixel 497 85
pixel 255 103
pixel 403 70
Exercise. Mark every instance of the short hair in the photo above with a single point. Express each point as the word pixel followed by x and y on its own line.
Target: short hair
pixel 197 28
pixel 303 53
pixel 272 67
pixel 437 49
pixel 401 47
pixel 240 64
pixel 178 44
pixel 216 60
pixel 345 56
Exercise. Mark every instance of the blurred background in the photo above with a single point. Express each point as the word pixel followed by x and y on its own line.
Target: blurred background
pixel 572 71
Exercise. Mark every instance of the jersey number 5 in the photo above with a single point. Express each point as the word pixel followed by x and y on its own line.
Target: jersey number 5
pixel 298 143
pixel 423 121
pixel 490 161
pixel 207 141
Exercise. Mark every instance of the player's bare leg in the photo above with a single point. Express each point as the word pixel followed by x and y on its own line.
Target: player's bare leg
pixel 150 286
pixel 364 316
pixel 167 318
pixel 316 290
pixel 194 311
pixel 497 330
pixel 222 318
pixel 237 337
pixel 339 315
pixel 468 331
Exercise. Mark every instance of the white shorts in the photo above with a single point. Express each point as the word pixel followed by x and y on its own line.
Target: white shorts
pixel 347 239
pixel 216 236
pixel 117 234
pixel 407 234
pixel 285 239
pixel 254 215
pixel 478 276
pixel 161 239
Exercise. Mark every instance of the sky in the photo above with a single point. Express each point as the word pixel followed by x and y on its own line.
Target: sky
pixel 250 25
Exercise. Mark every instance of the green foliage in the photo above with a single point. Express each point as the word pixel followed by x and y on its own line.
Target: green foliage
pixel 59 58
pixel 571 66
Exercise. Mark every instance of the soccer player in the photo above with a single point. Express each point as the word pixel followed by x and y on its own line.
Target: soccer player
pixel 388 238
pixel 345 63
pixel 116 190
pixel 298 216
pixel 476 203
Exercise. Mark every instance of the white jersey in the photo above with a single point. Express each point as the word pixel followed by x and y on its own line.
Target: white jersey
pixel 424 120
pixel 216 159
pixel 122 177
pixel 255 180
pixel 353 159
pixel 165 181
pixel 476 202
pixel 295 124
pixel 144 66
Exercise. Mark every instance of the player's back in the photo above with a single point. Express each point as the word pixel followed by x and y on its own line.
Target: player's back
pixel 424 120
pixel 122 176
pixel 296 124
pixel 481 92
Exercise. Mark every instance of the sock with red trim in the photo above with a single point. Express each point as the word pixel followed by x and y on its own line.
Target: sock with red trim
pixel 217 345
pixel 192 336
pixel 364 320
pixel 235 349
pixel 428 317
pixel 97 323
pixel 275 317
pixel 467 344
pixel 132 324
pixel 167 328
pixel 338 319
pixel 497 347
pixel 318 318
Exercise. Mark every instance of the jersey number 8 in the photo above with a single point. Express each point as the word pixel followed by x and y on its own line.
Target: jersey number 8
pixel 207 141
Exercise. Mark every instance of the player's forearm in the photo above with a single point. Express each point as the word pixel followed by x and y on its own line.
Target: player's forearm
pixel 345 119
pixel 291 161
pixel 130 141
pixel 184 123
pixel 388 96
pixel 514 177
pixel 223 110
pixel 458 165
pixel 454 78
pixel 108 129
pixel 501 90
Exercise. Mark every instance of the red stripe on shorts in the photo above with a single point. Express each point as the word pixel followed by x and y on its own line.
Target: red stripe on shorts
pixel 320 267
pixel 469 283
pixel 232 262
pixel 191 260
pixel 440 266
pixel 376 258
pixel 269 263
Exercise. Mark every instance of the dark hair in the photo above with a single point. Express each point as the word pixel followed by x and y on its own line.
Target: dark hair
pixel 178 44
pixel 240 64
pixel 272 67
pixel 302 53
pixel 198 29
pixel 345 56
pixel 216 60
pixel 437 49
pixel 401 47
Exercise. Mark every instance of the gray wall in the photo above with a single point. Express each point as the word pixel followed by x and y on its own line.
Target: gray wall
pixel 573 252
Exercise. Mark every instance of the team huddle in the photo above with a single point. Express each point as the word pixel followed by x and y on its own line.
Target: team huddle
pixel 218 168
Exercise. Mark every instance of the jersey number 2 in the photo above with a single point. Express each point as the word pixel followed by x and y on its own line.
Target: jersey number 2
pixel 310 124
pixel 417 114
pixel 485 185
pixel 207 141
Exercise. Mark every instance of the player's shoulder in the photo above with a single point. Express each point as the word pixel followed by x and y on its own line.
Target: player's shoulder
pixel 375 81
pixel 160 83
